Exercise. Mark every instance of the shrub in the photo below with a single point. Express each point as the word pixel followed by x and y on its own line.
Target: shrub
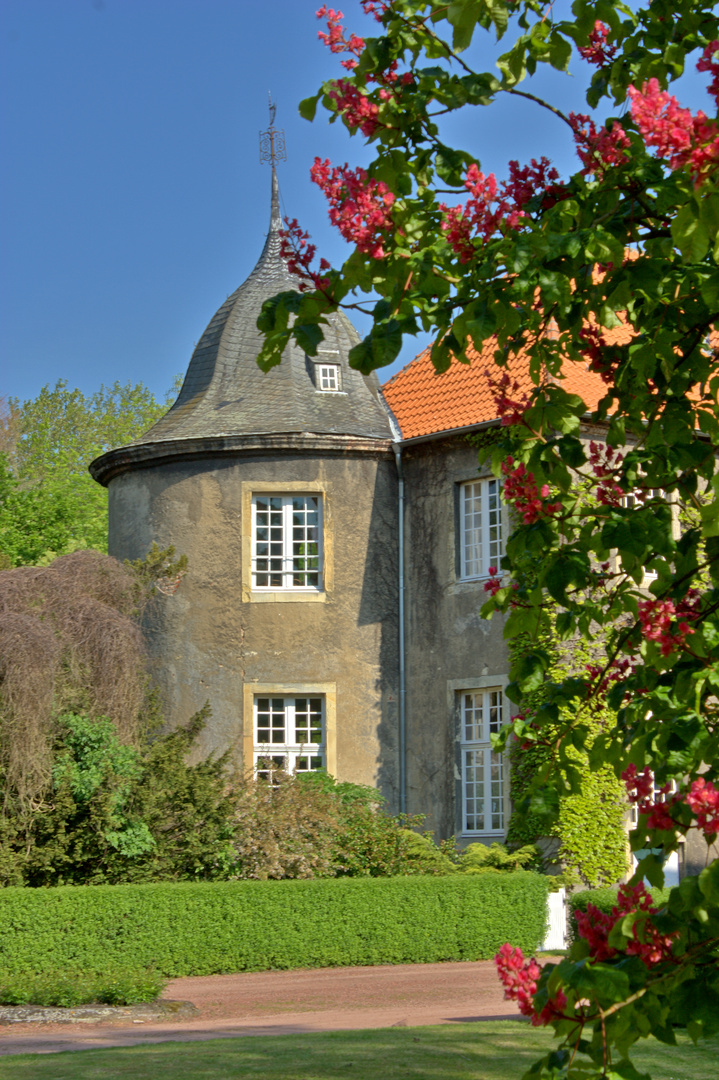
pixel 69 989
pixel 483 858
pixel 310 825
pixel 604 900
pixel 118 813
pixel 213 927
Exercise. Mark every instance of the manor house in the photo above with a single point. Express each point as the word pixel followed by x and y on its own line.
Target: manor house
pixel 339 537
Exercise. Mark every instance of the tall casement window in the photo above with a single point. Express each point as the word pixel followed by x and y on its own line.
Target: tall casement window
pixel 287 542
pixel 289 734
pixel 480 527
pixel 481 715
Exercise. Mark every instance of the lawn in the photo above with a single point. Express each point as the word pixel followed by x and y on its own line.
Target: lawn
pixel 491 1050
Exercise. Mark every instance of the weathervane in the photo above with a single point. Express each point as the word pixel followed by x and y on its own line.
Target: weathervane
pixel 272 141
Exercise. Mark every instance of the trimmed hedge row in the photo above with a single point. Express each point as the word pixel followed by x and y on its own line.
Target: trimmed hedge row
pixel 604 899
pixel 214 927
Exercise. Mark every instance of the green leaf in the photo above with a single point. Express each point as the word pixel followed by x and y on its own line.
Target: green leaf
pixel 308 107
pixel 690 234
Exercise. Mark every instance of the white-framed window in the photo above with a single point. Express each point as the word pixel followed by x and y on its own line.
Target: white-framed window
pixel 289 734
pixel 481 715
pixel 481 527
pixel 639 498
pixel 287 542
pixel 327 377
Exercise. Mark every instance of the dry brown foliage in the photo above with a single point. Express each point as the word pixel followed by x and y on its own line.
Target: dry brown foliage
pixel 284 829
pixel 68 642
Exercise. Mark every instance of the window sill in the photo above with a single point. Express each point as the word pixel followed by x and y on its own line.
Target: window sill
pixel 284 596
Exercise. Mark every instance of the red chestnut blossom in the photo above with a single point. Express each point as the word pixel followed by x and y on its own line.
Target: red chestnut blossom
pixel 355 106
pixel 604 462
pixel 597 51
pixel 374 7
pixel 360 208
pixel 335 38
pixel 510 409
pixel 618 669
pixel 298 253
pixel 648 943
pixel 519 978
pixel 599 150
pixel 479 217
pixel 649 800
pixel 656 618
pixel 703 798
pixel 708 63
pixel 494 584
pixel 520 488
pixel 685 140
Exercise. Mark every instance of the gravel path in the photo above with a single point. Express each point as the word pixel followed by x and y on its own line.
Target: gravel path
pixel 291 1002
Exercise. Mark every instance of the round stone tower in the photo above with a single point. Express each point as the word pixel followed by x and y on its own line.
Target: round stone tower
pixel 281 490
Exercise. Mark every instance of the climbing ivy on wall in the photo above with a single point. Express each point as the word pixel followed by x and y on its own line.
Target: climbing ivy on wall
pixel 588 820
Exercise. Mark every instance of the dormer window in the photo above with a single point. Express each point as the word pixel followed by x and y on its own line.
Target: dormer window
pixel 327 377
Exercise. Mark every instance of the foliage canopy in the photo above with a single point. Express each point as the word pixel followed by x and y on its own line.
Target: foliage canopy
pixel 615 268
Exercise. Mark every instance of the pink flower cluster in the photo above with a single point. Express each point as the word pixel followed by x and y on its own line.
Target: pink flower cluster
pixel 650 800
pixel 656 619
pixel 519 978
pixel 492 208
pixel 520 488
pixel 360 208
pixel 702 799
pixel 355 106
pixel 375 7
pixel 494 584
pixel 708 63
pixel 604 461
pixel 616 670
pixel 686 141
pixel 596 353
pixel 335 38
pixel 298 253
pixel 648 943
pixel 599 150
pixel 510 409
pixel 597 51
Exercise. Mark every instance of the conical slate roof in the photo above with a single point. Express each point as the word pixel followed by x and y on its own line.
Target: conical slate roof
pixel 226 393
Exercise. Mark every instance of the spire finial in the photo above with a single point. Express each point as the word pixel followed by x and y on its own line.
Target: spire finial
pixel 272 141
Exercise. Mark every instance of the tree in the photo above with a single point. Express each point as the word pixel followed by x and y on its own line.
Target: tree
pixel 49 504
pixel 615 268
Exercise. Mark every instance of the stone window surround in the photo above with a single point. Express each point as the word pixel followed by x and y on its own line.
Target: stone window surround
pixel 455 687
pixel 249 488
pixel 328 691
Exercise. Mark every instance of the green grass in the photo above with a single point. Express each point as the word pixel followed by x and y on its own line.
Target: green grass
pixel 491 1050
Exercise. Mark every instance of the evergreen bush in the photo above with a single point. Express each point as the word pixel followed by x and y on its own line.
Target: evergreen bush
pixel 207 928
pixel 68 989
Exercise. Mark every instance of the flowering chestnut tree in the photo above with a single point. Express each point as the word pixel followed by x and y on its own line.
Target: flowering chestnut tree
pixel 614 268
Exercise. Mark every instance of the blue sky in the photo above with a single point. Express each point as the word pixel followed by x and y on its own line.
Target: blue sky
pixel 132 200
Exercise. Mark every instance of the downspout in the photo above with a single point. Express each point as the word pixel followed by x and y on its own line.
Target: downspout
pixel 402 668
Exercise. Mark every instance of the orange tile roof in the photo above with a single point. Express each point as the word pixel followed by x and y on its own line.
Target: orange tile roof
pixel 425 403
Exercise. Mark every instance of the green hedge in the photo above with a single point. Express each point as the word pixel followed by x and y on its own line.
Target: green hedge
pixel 214 927
pixel 604 899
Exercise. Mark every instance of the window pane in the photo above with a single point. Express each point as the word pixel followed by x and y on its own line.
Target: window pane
pixel 481 534
pixel 296 724
pixel 472 717
pixel 494 701
pixel 286 542
pixel 482 768
pixel 474 790
pixel 472 531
